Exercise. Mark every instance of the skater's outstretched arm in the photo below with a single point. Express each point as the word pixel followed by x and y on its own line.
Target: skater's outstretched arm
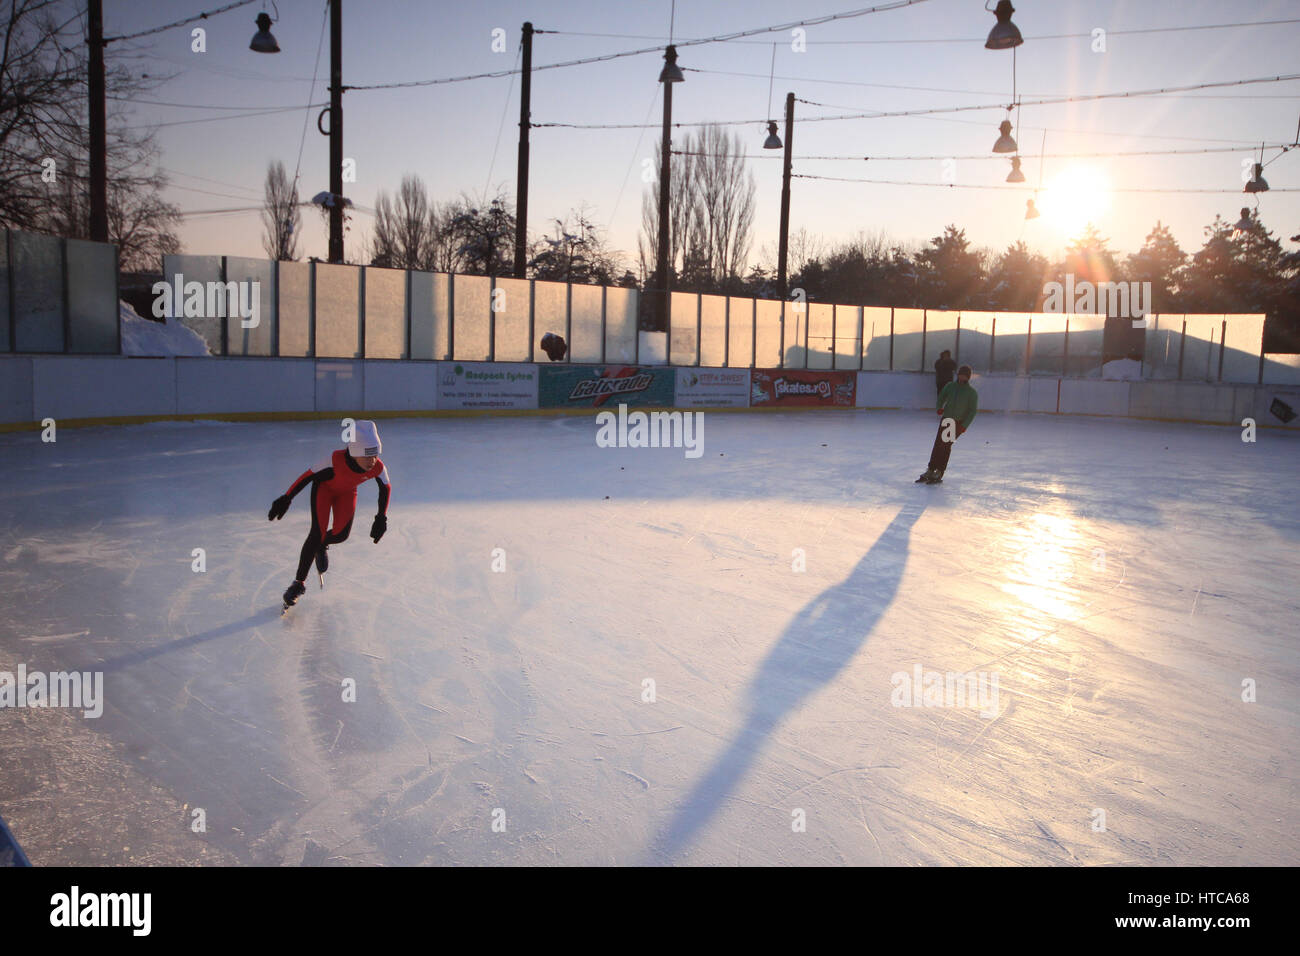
pixel 323 471
pixel 380 524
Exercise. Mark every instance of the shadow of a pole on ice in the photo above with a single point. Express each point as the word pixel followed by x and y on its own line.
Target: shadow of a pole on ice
pixel 815 646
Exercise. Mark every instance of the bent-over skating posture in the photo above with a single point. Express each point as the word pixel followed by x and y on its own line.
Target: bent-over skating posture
pixel 334 484
pixel 958 403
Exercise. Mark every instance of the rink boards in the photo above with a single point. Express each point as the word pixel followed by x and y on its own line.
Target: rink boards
pixel 84 390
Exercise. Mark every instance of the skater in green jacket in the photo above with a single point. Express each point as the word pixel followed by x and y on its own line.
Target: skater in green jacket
pixel 958 403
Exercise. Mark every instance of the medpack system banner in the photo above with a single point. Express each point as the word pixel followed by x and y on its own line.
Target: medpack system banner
pixel 794 386
pixel 470 385
pixel 605 386
pixel 712 388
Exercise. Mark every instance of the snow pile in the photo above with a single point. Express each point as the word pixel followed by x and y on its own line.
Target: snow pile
pixel 146 337
pixel 1123 369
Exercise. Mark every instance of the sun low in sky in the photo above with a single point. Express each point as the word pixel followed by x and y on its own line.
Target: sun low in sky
pixel 1076 196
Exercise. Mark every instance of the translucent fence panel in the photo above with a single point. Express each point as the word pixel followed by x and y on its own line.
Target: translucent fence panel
pixel 1085 352
pixel 821 334
pixel 1010 338
pixel 385 315
pixel 430 315
pixel 472 306
pixel 92 297
pixel 767 333
pixel 794 348
pixel 908 332
pixel 255 280
pixel 848 336
pixel 200 312
pixel 620 325
pixel 975 341
pixel 1047 344
pixel 683 340
pixel 37 292
pixel 5 320
pixel 550 314
pixel 587 307
pixel 511 301
pixel 338 311
pixel 1201 344
pixel 1281 368
pixel 1243 343
pixel 740 332
pixel 713 330
pixel 940 335
pixel 1164 343
pixel 293 309
pixel 877 322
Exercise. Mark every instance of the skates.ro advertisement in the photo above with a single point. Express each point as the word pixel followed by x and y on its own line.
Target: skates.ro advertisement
pixel 468 385
pixel 795 386
pixel 600 386
pixel 712 388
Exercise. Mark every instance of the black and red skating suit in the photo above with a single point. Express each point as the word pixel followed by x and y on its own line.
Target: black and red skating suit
pixel 334 484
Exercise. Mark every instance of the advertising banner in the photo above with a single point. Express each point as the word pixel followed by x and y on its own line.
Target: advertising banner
pixel 712 388
pixel 794 386
pixel 499 385
pixel 605 386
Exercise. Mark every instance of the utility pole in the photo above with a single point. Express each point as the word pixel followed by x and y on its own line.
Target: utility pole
pixel 336 130
pixel 665 185
pixel 784 241
pixel 98 125
pixel 521 186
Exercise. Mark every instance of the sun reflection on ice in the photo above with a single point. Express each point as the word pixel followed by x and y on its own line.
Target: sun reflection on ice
pixel 1040 572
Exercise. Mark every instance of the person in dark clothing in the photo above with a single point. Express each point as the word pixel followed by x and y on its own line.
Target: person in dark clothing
pixel 958 403
pixel 944 366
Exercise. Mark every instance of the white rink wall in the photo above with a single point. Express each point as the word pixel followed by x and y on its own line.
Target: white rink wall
pixel 120 389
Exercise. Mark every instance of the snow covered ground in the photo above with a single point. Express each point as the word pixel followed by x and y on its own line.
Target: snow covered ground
pixel 170 336
pixel 1119 580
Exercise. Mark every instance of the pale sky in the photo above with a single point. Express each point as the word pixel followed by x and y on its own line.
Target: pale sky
pixel 462 137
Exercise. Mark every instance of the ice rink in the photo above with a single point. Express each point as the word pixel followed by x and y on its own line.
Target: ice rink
pixel 1118 580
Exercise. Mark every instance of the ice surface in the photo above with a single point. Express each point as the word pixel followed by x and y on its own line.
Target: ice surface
pixel 1121 580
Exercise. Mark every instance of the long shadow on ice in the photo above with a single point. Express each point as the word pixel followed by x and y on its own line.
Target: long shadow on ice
pixel 821 639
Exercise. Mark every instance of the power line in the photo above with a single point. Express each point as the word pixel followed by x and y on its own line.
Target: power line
pixel 888 114
pixel 995 157
pixel 1046 36
pixel 202 106
pixel 214 119
pixel 1022 189
pixel 721 38
pixel 181 23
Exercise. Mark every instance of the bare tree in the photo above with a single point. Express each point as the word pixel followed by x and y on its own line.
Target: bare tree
pixel 726 201
pixel 404 235
pixel 44 138
pixel 281 214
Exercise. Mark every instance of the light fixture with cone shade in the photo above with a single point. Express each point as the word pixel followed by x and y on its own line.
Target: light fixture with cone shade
pixel 1004 34
pixel 1257 183
pixel 671 73
pixel 1005 143
pixel 1243 224
pixel 1015 176
pixel 773 141
pixel 1031 211
pixel 263 41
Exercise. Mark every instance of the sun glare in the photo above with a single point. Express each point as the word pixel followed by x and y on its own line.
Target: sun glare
pixel 1078 195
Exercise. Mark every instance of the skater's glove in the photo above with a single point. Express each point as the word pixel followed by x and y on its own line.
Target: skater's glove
pixel 938 411
pixel 378 528
pixel 278 508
